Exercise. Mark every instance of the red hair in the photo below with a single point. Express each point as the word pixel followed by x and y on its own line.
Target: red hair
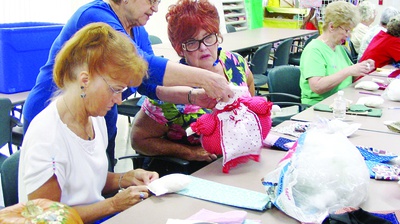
pixel 187 17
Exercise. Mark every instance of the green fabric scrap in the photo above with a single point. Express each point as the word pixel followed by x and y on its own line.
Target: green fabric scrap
pixel 354 110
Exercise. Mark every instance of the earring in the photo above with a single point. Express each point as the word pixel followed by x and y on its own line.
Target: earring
pixel 83 94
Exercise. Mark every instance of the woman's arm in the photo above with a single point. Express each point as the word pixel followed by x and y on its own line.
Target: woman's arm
pixel 216 86
pixel 182 95
pixel 324 84
pixel 121 201
pixel 146 138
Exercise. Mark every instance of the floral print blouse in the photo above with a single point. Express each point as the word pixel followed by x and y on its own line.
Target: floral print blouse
pixel 178 117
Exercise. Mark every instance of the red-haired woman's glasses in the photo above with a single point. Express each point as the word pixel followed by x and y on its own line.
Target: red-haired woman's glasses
pixel 193 45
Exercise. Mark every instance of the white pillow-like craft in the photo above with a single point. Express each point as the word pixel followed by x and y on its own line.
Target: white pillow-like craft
pixel 367 85
pixel 343 127
pixel 169 184
pixel 371 101
pixel 393 90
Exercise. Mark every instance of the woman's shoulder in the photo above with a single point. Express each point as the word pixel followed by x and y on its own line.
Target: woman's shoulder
pixel 96 11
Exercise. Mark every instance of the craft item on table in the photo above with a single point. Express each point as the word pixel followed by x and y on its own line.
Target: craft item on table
pixel 235 129
pixel 381 83
pixel 353 109
pixel 393 125
pixel 39 211
pixel 391 217
pixel 376 80
pixel 231 217
pixel 169 184
pixel 367 85
pixel 294 129
pixel 323 172
pixel 378 164
pixel 392 92
pixel 226 194
pixel 359 216
pixel 276 142
pixel 343 127
pixel 371 101
pixel 384 72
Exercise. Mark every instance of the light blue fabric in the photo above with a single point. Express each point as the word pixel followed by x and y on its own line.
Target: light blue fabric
pixel 225 194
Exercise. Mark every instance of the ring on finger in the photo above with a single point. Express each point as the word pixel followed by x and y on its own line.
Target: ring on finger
pixel 141 195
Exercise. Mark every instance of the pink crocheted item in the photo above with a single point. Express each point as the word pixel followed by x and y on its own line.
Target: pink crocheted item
pixel 236 131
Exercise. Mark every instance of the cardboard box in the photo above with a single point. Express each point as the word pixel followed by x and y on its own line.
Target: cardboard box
pixel 24 48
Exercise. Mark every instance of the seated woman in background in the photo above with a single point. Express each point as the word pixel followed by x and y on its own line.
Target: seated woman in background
pixel 367 15
pixel 325 66
pixel 63 157
pixel 384 48
pixel 387 13
pixel 159 128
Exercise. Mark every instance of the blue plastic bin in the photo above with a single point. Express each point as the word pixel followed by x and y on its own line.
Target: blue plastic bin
pixel 24 48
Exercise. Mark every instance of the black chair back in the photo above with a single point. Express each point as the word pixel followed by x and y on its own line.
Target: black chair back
pixel 259 61
pixel 230 28
pixel 155 39
pixel 284 79
pixel 281 53
pixel 5 124
pixel 9 179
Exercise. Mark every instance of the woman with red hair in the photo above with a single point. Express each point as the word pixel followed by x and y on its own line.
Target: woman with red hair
pixel 159 128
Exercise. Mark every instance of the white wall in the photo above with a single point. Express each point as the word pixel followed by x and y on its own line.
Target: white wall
pixel 57 11
pixel 380 8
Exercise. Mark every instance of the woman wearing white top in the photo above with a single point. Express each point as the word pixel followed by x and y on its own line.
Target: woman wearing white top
pixel 63 157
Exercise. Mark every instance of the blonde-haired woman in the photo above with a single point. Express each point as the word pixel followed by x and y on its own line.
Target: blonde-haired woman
pixel 63 157
pixel 324 64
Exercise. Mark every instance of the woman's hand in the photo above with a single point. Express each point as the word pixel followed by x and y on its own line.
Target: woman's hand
pixel 198 153
pixel 138 177
pixel 200 98
pixel 363 68
pixel 129 196
pixel 217 87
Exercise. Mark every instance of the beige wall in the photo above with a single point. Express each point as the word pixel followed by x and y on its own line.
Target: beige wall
pixel 380 8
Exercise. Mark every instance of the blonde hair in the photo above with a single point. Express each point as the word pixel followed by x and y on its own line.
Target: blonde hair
pixel 102 50
pixel 366 10
pixel 341 13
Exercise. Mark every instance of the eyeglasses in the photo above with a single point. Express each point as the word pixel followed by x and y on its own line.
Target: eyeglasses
pixel 194 45
pixel 115 91
pixel 154 2
pixel 347 31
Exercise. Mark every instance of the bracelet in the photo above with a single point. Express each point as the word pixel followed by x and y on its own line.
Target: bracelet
pixel 190 96
pixel 119 181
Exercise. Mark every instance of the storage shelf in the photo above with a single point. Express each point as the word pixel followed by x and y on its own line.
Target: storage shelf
pixel 244 22
pixel 231 1
pixel 237 7
pixel 235 14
